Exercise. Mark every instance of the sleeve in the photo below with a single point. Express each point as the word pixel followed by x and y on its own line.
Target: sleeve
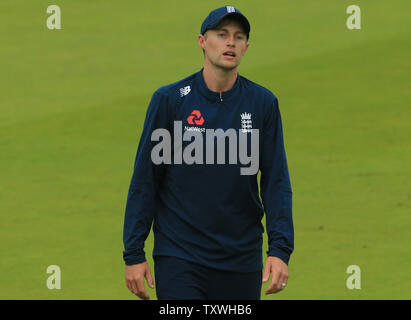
pixel 275 186
pixel 140 206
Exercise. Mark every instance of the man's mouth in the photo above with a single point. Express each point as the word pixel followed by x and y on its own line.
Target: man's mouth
pixel 229 53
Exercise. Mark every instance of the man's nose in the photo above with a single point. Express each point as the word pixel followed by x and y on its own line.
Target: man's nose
pixel 231 41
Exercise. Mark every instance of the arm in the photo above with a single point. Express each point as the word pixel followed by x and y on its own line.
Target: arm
pixel 276 195
pixel 141 199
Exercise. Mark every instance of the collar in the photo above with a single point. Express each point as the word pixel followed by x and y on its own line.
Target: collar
pixel 215 96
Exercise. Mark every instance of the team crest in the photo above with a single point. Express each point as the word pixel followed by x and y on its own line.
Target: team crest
pixel 246 122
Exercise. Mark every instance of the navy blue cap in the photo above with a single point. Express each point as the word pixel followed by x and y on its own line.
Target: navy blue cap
pixel 215 16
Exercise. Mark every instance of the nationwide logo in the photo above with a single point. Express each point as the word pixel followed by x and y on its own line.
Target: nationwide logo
pixel 195 118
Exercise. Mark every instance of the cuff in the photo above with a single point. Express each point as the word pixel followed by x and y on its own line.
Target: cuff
pixel 281 253
pixel 134 257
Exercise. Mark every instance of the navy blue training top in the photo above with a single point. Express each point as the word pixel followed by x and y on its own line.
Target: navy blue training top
pixel 206 213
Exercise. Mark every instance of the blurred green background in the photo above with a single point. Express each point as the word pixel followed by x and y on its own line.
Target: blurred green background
pixel 73 102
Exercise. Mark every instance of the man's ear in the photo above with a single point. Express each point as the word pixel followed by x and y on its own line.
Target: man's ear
pixel 201 39
pixel 246 48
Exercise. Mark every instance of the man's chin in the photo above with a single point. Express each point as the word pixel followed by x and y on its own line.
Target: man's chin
pixel 227 66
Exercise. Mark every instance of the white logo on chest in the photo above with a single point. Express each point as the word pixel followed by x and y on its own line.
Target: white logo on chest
pixel 184 91
pixel 246 122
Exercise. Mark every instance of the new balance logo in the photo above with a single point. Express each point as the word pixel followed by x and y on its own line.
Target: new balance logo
pixel 184 91
pixel 195 118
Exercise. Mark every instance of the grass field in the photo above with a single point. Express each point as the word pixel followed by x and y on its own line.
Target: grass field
pixel 72 106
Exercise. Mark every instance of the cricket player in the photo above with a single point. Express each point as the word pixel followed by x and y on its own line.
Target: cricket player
pixel 205 204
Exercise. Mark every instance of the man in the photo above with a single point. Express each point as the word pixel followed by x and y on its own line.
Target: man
pixel 207 213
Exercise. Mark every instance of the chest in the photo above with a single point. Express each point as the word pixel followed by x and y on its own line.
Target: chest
pixel 201 114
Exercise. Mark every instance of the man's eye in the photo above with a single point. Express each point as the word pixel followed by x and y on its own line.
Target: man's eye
pixel 221 34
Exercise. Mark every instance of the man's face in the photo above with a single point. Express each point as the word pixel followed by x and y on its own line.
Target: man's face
pixel 224 46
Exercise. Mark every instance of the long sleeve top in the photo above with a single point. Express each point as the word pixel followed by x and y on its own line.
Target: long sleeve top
pixel 200 195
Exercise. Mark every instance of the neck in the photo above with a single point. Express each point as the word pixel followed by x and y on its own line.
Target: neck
pixel 217 79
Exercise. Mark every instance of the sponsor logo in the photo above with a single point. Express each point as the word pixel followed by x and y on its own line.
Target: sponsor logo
pixel 195 118
pixel 184 91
